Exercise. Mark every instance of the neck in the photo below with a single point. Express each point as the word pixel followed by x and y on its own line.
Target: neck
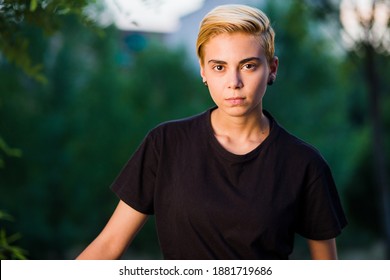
pixel 241 128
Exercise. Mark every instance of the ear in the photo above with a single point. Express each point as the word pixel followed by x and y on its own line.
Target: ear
pixel 202 72
pixel 273 65
pixel 273 69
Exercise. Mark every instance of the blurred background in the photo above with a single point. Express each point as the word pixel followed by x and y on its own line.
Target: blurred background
pixel 82 82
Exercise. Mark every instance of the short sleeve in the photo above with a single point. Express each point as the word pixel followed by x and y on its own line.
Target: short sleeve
pixel 321 215
pixel 135 183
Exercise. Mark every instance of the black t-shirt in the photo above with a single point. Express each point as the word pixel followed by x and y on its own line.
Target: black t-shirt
pixel 212 204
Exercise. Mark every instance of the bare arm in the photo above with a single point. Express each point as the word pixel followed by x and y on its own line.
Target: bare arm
pixel 114 239
pixel 323 249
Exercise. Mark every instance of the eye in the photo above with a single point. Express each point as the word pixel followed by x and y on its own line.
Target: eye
pixel 249 66
pixel 219 68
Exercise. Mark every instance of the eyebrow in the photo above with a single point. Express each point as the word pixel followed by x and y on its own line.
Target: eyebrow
pixel 245 60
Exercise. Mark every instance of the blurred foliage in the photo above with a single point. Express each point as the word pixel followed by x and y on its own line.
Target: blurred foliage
pixel 11 152
pixel 103 95
pixel 9 251
pixel 78 130
pixel 18 17
pixel 369 52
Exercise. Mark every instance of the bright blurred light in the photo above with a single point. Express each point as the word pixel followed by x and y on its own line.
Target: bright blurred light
pixel 362 23
pixel 148 15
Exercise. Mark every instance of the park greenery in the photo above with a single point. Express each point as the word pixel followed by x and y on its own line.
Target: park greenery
pixel 77 99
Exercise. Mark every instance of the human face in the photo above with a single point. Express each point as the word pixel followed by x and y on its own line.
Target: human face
pixel 237 71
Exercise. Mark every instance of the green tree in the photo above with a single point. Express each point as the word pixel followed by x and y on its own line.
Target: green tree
pixel 308 97
pixel 369 55
pixel 17 17
pixel 8 250
pixel 77 131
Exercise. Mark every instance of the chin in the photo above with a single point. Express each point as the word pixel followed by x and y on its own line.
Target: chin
pixel 237 111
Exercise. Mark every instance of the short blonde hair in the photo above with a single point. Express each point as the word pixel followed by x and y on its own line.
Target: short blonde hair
pixel 236 18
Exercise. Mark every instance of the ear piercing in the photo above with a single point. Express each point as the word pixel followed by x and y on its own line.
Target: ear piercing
pixel 205 83
pixel 271 79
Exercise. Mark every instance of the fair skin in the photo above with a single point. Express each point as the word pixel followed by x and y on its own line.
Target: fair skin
pixel 116 236
pixel 237 71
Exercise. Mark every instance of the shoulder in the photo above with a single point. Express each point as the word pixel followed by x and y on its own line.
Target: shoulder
pixel 296 150
pixel 188 122
pixel 174 130
pixel 296 146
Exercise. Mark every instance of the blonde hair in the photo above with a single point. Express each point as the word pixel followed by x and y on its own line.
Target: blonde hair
pixel 236 18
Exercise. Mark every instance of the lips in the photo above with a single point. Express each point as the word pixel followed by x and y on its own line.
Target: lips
pixel 235 100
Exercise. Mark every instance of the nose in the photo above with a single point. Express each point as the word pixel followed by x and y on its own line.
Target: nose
pixel 234 80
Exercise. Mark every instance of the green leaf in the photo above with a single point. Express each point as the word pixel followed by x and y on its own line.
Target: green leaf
pixel 5 216
pixel 9 151
pixel 33 5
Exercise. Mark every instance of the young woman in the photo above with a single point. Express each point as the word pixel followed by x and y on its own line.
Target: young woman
pixel 229 183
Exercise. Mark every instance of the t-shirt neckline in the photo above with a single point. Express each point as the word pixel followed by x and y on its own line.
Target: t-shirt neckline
pixel 235 157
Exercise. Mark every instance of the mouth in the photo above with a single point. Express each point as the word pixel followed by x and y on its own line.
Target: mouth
pixel 235 100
